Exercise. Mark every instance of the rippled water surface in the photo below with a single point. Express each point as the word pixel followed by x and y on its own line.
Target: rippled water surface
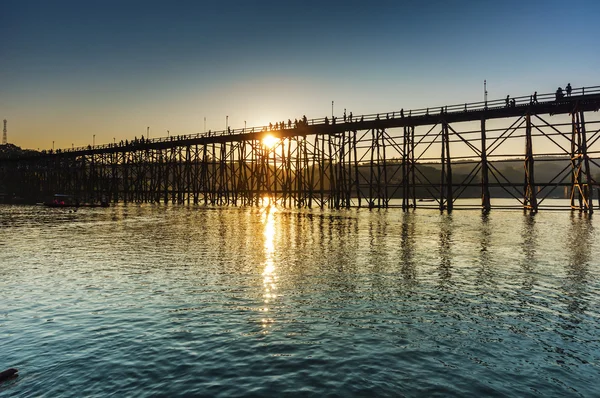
pixel 176 300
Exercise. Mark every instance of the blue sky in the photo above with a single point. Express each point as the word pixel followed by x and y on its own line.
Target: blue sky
pixel 74 69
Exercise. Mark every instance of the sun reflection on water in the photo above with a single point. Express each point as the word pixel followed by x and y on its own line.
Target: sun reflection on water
pixel 269 272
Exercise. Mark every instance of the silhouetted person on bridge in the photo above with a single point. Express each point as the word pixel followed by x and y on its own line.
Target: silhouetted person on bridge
pixel 507 100
pixel 289 123
pixel 270 126
pixel 513 103
pixel 350 117
pixel 326 120
pixel 344 114
pixel 569 89
pixel 304 120
pixel 559 93
pixel 535 98
pixel 402 112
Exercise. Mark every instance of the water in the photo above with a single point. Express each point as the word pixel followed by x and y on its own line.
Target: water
pixel 176 300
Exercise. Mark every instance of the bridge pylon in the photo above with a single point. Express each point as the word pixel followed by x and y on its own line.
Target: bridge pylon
pixel 582 190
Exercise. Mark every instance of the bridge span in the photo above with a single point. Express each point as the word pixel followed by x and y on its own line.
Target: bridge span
pixel 532 150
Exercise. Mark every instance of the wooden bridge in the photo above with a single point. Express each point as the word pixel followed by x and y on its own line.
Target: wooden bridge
pixel 410 158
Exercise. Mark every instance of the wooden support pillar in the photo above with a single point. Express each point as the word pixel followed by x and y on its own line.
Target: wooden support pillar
pixel 356 173
pixel 332 181
pixel 530 194
pixel 348 169
pixel 204 174
pixel 446 200
pixel 412 164
pixel 125 176
pixel 386 198
pixel 372 177
pixel 312 172
pixel 306 174
pixel 379 190
pixel 580 165
pixel 485 187
pixel 405 198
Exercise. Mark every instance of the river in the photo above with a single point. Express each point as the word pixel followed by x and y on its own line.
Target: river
pixel 147 300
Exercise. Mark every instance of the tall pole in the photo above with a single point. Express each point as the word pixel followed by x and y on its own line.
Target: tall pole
pixel 331 110
pixel 93 140
pixel 204 124
pixel 4 137
pixel 147 132
pixel 226 122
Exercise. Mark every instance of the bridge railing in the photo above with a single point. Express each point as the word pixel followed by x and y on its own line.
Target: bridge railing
pixel 525 100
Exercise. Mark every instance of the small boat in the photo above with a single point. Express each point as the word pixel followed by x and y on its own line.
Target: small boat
pixel 61 200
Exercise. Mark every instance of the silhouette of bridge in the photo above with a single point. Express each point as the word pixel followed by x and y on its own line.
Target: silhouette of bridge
pixel 406 158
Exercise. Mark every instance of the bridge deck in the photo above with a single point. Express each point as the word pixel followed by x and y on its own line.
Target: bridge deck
pixel 585 99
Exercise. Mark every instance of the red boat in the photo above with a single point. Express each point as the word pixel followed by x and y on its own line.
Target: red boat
pixel 61 200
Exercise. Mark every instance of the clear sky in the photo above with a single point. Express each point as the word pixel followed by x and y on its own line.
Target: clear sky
pixel 73 69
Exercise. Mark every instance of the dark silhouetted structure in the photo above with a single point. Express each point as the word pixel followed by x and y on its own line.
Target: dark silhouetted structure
pixel 370 162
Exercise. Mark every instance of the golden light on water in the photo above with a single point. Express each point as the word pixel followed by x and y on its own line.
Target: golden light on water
pixel 269 274
pixel 270 141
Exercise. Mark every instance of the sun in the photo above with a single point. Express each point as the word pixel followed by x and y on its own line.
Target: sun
pixel 270 141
